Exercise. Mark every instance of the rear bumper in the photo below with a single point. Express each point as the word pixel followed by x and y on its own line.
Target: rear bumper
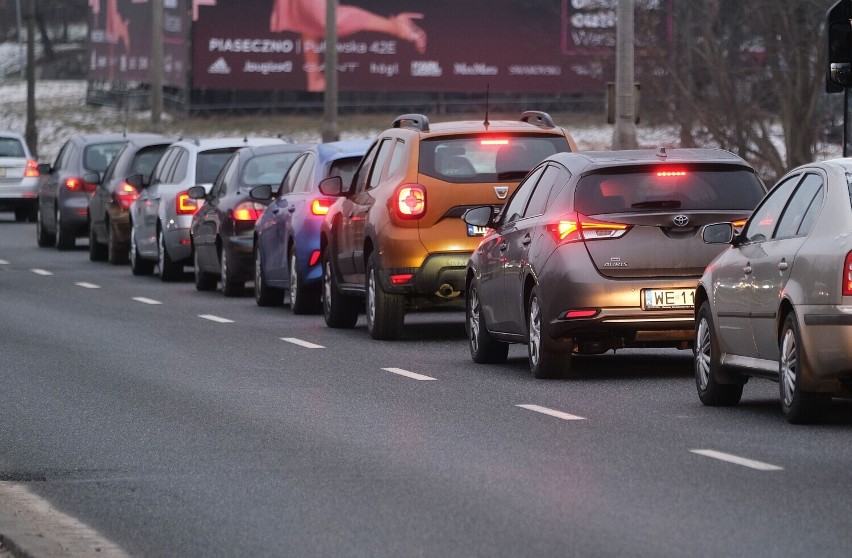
pixel 441 276
pixel 826 332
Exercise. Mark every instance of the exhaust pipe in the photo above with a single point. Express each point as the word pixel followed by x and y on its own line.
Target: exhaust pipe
pixel 447 291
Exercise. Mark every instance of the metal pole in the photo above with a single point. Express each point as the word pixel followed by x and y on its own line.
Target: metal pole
pixel 156 65
pixel 624 133
pixel 31 133
pixel 21 47
pixel 330 131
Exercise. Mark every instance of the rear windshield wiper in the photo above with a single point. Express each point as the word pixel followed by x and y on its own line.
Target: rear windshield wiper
pixel 657 204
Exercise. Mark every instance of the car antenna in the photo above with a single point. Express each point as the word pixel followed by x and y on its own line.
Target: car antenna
pixel 486 123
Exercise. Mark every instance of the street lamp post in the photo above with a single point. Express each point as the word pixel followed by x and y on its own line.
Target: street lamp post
pixel 624 133
pixel 330 130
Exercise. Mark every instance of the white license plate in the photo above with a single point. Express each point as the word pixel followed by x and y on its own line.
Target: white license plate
pixel 667 299
pixel 473 230
pixel 2 172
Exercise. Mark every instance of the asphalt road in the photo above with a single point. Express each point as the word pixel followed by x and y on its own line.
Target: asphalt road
pixel 174 434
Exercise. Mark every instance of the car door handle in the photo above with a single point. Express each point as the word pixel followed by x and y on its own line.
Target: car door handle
pixel 291 209
pixel 747 270
pixel 782 265
pixel 502 246
pixel 527 239
pixel 275 211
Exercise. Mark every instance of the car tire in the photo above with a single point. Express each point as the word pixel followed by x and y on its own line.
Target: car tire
pixel 548 358
pixel 169 270
pixel 204 281
pixel 230 287
pixel 44 238
pixel 65 239
pixel 707 364
pixel 304 299
pixel 385 311
pixel 116 253
pixel 138 265
pixel 484 349
pixel 338 310
pixel 800 407
pixel 97 251
pixel 264 295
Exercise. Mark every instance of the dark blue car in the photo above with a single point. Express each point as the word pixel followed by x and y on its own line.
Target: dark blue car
pixel 287 239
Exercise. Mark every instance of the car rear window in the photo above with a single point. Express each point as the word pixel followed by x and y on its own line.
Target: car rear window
pixel 10 147
pixel 486 158
pixel 268 169
pixel 145 159
pixel 344 168
pixel 668 189
pixel 97 157
pixel 210 162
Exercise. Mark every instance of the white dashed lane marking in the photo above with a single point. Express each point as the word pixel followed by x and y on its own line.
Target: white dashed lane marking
pixel 407 374
pixel 551 412
pixel 301 343
pixel 144 300
pixel 88 285
pixel 4 262
pixel 41 272
pixel 736 460
pixel 216 319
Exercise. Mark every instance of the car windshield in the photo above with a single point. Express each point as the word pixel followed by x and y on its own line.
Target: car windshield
pixel 486 158
pixel 97 157
pixel 268 169
pixel 11 147
pixel 683 188
pixel 210 162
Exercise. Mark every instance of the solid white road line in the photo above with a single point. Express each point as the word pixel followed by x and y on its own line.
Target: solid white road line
pixel 4 262
pixel 41 272
pixel 407 374
pixel 551 412
pixel 216 319
pixel 736 460
pixel 301 343
pixel 144 300
pixel 88 285
pixel 34 528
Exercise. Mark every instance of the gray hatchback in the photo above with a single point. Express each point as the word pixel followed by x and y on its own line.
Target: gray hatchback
pixel 600 250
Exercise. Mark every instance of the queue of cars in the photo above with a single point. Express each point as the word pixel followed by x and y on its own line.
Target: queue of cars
pixel 566 252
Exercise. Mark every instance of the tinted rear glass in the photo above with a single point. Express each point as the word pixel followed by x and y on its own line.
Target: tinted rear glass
pixel 97 157
pixel 210 162
pixel 268 169
pixel 668 189
pixel 10 147
pixel 486 158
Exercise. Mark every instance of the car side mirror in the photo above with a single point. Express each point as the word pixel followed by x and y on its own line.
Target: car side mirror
pixel 137 181
pixel 332 186
pixel 197 192
pixel 718 233
pixel 482 216
pixel 261 193
pixel 44 168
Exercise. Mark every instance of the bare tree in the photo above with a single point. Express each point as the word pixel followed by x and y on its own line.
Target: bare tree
pixel 747 69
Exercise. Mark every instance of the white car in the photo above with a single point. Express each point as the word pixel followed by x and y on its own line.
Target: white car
pixel 19 177
pixel 161 216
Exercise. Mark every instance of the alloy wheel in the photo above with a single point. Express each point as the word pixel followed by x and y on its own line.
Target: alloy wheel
pixel 535 331
pixel 473 319
pixel 703 353
pixel 789 366
pixel 294 280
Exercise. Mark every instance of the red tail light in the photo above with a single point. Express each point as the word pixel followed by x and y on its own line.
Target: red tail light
pixel 320 206
pixel 574 227
pixel 315 256
pixel 411 201
pixel 248 211
pixel 184 205
pixel 32 170
pixel 577 314
pixel 494 142
pixel 401 279
pixel 847 275
pixel 125 195
pixel 74 184
pixel 665 174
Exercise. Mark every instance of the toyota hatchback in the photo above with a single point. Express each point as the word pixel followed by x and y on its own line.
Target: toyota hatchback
pixel 600 250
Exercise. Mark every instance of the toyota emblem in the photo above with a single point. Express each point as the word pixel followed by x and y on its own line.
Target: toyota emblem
pixel 501 191
pixel 681 220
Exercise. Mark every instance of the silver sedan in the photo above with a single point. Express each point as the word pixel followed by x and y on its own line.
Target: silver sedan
pixel 777 303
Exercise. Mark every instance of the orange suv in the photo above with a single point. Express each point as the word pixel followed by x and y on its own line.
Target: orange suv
pixel 395 235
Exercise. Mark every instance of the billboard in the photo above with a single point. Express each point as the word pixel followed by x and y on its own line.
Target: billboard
pixel 510 46
pixel 120 41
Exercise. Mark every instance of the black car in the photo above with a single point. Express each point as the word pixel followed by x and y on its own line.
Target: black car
pixel 109 208
pixel 222 230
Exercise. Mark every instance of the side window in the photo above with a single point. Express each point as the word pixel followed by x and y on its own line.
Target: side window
pixel 765 218
pixel 396 167
pixel 110 170
pixel 290 178
pixel 62 158
pixel 178 173
pixel 359 184
pixel 807 195
pixel 518 203
pixel 220 186
pixel 377 174
pixel 306 175
pixel 553 178
pixel 163 166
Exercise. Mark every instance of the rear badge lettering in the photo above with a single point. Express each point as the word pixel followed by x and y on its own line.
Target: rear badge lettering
pixel 615 262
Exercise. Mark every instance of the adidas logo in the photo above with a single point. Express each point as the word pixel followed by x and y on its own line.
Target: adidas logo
pixel 219 67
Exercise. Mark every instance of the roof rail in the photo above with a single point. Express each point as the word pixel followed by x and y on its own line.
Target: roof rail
pixel 415 121
pixel 192 139
pixel 537 118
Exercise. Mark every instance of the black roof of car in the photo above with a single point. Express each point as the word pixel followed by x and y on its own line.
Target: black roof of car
pixel 593 160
